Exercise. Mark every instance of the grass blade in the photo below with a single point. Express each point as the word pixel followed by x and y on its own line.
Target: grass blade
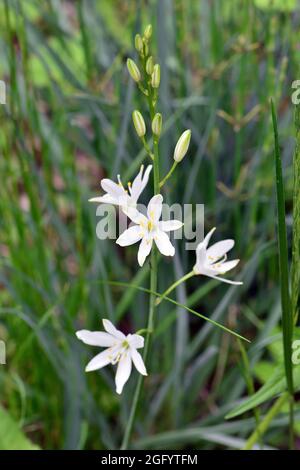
pixel 287 315
pixel 295 273
pixel 142 289
pixel 287 318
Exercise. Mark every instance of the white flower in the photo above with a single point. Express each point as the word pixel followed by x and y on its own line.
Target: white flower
pixel 148 229
pixel 212 261
pixel 117 194
pixel 120 349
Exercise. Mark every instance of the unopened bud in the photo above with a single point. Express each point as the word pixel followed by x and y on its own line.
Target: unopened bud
pixel 182 145
pixel 146 49
pixel 138 42
pixel 155 77
pixel 148 31
pixel 157 124
pixel 133 70
pixel 139 123
pixel 149 65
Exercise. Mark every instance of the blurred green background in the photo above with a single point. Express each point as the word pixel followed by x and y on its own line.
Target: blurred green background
pixel 66 124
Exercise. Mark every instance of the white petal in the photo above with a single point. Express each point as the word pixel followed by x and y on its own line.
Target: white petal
pixel 112 188
pixel 138 361
pixel 163 243
pixel 96 338
pixel 136 341
pixel 228 265
pixel 227 281
pixel 140 182
pixel 99 361
pixel 208 237
pixel 169 225
pixel 130 236
pixel 105 199
pixel 219 249
pixel 110 328
pixel 200 258
pixel 144 249
pixel 134 215
pixel 155 207
pixel 123 371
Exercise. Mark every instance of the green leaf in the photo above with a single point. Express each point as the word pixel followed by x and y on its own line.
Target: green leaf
pixel 273 387
pixel 287 316
pixel 295 271
pixel 263 371
pixel 11 436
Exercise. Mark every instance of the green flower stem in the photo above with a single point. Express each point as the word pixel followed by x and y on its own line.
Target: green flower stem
pixel 264 424
pixel 153 282
pixel 143 90
pixel 163 181
pixel 147 148
pixel 174 285
pixel 249 382
pixel 178 304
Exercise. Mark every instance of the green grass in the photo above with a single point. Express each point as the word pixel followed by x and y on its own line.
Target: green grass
pixel 67 123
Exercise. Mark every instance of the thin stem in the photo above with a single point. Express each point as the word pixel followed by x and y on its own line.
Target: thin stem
pixel 264 424
pixel 291 423
pixel 163 181
pixel 153 280
pixel 249 383
pixel 174 285
pixel 147 148
pixel 178 304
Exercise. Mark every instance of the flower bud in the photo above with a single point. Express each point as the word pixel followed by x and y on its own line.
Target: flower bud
pixel 182 145
pixel 148 31
pixel 157 124
pixel 133 70
pixel 139 123
pixel 149 65
pixel 146 49
pixel 155 77
pixel 138 42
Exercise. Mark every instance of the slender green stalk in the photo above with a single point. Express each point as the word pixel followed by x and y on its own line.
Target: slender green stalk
pixel 165 179
pixel 147 148
pixel 156 294
pixel 174 285
pixel 152 98
pixel 264 424
pixel 249 382
pixel 287 316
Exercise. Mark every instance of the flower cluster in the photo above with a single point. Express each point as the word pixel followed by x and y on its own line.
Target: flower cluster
pixel 148 229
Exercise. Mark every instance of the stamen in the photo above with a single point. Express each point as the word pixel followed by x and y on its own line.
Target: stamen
pixel 120 182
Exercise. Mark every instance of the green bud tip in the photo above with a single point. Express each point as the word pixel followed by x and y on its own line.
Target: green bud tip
pixel 155 77
pixel 139 123
pixel 149 65
pixel 182 145
pixel 138 42
pixel 148 31
pixel 157 124
pixel 133 70
pixel 146 49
